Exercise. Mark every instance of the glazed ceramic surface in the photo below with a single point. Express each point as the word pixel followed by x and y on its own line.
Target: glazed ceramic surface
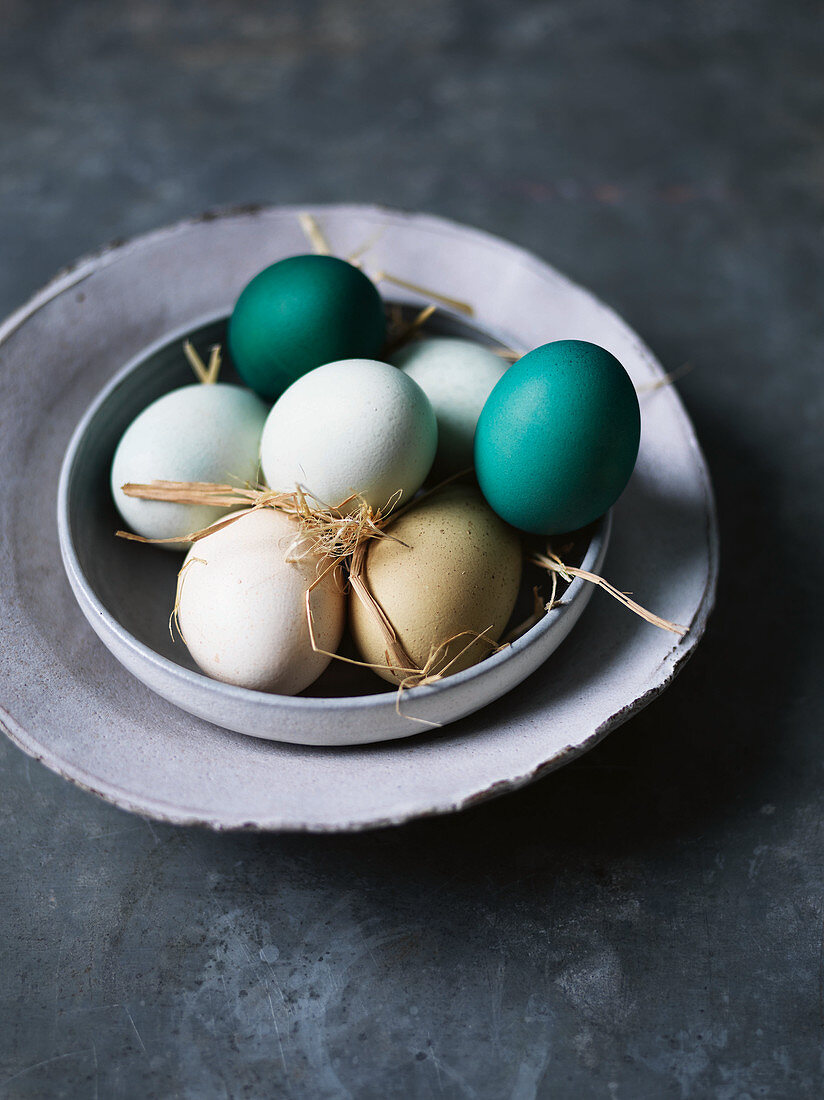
pixel 68 702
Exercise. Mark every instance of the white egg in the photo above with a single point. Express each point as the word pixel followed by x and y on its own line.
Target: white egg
pixel 197 433
pixel 353 426
pixel 242 610
pixel 457 376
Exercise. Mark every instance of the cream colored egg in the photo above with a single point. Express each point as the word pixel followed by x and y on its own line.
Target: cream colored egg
pixel 241 605
pixel 453 573
pixel 196 433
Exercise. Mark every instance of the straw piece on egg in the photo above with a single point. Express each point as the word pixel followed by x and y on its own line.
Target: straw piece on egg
pixel 174 618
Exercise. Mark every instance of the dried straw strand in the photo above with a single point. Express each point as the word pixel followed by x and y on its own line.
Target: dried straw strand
pixel 431 673
pixel 332 531
pixel 174 618
pixel 208 375
pixel 397 659
pixel 195 362
pixel 367 246
pixel 314 234
pixel 406 332
pixel 553 564
pixel 425 292
pixel 667 380
pixel 213 369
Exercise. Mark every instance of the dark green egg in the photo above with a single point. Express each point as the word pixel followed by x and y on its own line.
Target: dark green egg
pixel 300 313
pixel 557 439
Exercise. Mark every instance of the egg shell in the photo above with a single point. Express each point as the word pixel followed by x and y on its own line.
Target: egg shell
pixel 356 426
pixel 242 607
pixel 196 433
pixel 457 567
pixel 300 313
pixel 457 376
pixel 557 439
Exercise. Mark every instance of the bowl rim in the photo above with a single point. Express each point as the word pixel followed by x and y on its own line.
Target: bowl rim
pixel 592 561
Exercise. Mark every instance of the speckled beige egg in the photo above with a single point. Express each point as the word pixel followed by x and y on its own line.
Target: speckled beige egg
pixel 455 570
pixel 242 610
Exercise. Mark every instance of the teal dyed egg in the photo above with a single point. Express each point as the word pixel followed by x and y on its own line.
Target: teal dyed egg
pixel 300 313
pixel 557 439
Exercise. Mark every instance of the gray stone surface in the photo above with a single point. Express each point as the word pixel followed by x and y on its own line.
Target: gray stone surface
pixel 646 922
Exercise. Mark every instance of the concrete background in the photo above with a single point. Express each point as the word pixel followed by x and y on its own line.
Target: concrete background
pixel 646 922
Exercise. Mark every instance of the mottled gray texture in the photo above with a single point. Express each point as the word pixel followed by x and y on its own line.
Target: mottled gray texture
pixel 644 923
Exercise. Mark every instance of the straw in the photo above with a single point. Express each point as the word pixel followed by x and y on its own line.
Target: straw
pixel 553 564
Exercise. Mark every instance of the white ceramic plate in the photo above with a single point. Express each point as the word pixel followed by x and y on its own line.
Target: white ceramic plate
pixel 66 701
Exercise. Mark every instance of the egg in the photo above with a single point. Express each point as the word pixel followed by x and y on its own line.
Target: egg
pixel 299 313
pixel 457 376
pixel 355 426
pixel 557 439
pixel 196 433
pixel 451 566
pixel 241 605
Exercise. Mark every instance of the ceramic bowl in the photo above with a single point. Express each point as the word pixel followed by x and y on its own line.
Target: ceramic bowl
pixel 126 591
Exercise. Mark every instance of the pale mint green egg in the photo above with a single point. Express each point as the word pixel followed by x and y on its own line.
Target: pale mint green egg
pixel 457 376
pixel 196 433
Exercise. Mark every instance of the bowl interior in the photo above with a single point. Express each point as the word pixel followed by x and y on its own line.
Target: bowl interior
pixel 136 582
